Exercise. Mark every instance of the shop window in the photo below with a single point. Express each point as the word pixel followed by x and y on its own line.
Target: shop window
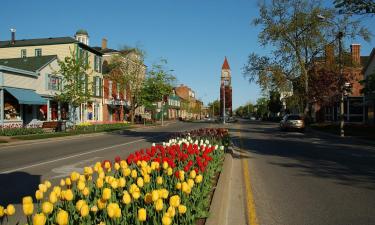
pixel 54 110
pixel 64 111
pixel 11 108
pixel 42 113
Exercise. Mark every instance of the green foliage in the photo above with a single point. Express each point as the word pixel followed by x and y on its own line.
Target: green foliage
pixel 262 107
pixel 245 110
pixel 360 7
pixel 274 104
pixel 20 131
pixel 214 108
pixel 158 84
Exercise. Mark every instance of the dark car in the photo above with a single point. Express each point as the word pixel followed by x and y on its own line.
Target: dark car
pixel 292 122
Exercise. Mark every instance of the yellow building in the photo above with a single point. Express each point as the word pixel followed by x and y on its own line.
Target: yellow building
pixel 63 47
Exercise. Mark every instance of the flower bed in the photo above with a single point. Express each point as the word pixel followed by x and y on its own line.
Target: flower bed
pixel 164 184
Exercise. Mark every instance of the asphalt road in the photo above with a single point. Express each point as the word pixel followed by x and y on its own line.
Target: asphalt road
pixel 23 166
pixel 307 179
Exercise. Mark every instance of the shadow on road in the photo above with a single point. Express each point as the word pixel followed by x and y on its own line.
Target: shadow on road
pixel 343 163
pixel 15 186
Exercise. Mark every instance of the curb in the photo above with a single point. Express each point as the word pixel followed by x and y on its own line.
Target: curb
pixel 218 214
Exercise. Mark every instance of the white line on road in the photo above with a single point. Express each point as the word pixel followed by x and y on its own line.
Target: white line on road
pixel 73 156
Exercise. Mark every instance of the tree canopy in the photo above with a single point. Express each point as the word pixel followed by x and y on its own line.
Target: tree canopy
pixel 359 7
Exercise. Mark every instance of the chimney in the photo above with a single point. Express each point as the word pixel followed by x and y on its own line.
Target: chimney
pixel 355 50
pixel 104 43
pixel 329 54
pixel 13 40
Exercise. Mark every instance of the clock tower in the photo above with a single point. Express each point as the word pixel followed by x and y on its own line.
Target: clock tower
pixel 226 89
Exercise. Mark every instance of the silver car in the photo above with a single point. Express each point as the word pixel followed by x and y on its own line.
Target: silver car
pixel 292 122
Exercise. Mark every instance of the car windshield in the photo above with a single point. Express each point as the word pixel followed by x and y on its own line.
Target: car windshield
pixel 294 117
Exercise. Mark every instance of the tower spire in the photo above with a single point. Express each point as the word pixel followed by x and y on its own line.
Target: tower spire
pixel 225 64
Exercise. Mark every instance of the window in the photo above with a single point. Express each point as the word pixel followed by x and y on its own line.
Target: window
pixel 109 89
pixel 38 52
pixel 54 83
pixel 98 64
pixel 97 86
pixel 23 53
pixel 118 90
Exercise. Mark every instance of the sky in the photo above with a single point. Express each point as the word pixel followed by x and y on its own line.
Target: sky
pixel 194 36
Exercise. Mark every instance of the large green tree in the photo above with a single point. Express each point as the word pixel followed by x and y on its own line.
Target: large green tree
pixel 128 69
pixel 75 83
pixel 275 104
pixel 296 35
pixel 214 108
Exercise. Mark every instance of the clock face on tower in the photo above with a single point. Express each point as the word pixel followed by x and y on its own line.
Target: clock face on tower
pixel 225 74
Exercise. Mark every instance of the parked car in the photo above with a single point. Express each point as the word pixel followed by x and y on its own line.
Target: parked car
pixel 292 122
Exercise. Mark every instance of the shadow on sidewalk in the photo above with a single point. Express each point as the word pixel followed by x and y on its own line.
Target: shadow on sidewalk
pixel 15 186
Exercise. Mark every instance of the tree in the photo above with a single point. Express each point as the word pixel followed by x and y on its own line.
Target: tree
pixel 76 88
pixel 261 107
pixel 275 104
pixel 297 36
pixel 214 108
pixel 158 85
pixel 128 70
pixel 359 7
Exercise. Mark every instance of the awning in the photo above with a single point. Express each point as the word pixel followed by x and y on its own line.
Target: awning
pixel 26 96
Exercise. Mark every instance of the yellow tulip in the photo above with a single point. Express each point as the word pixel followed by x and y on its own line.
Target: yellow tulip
pixel 190 183
pixel 113 210
pixel 68 181
pixel 148 198
pixel 84 210
pixel 99 182
pixel 185 187
pixel 47 208
pixel 28 208
pixel 10 210
pixel 126 199
pixel 53 197
pixel 193 174
pixel 81 185
pixel 117 166
pixel 132 188
pixel 47 183
pixel 146 178
pixel 140 182
pixel 126 172
pixel 101 175
pixel 42 187
pixel 121 182
pixel 87 171
pixel 57 190
pixel 1 211
pixel 114 184
pixel 94 209
pixel 166 220
pixel 106 193
pixel 134 174
pixel 198 179
pixel 142 214
pixel 181 209
pixel 107 165
pixel 169 171
pixel 39 195
pixel 159 180
pixel 155 195
pixel 123 164
pixel 171 211
pixel 74 176
pixel 165 165
pixel 62 217
pixel 62 182
pixel 182 175
pixel 164 193
pixel 27 199
pixel 79 204
pixel 101 203
pixel 136 194
pixel 158 204
pixel 86 191
pixel 68 195
pixel 178 186
pixel 39 219
pixel 82 178
pixel 174 201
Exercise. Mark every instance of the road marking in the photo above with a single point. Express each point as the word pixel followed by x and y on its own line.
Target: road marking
pixel 250 203
pixel 73 156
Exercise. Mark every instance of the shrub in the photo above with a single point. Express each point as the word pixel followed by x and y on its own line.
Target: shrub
pixel 20 131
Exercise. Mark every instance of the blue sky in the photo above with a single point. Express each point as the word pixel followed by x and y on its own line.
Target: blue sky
pixel 194 36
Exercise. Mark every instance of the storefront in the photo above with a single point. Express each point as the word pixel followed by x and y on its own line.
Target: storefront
pixel 114 110
pixel 20 107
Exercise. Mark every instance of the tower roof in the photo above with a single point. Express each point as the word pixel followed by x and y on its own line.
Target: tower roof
pixel 225 64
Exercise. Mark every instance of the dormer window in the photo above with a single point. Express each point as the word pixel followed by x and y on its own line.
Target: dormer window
pixel 38 52
pixel 23 53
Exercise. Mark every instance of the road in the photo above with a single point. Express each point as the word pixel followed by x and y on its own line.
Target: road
pixel 307 179
pixel 24 166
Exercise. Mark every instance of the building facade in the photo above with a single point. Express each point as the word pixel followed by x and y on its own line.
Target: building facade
pixel 369 99
pixel 190 106
pixel 63 47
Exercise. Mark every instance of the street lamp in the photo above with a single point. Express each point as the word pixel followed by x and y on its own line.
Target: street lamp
pixel 339 37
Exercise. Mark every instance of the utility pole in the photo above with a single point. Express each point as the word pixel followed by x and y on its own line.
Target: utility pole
pixel 342 119
pixel 224 103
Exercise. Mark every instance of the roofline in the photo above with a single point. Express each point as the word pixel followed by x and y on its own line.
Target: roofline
pixel 372 54
pixel 49 62
pixel 15 70
pixel 57 43
pixel 89 48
